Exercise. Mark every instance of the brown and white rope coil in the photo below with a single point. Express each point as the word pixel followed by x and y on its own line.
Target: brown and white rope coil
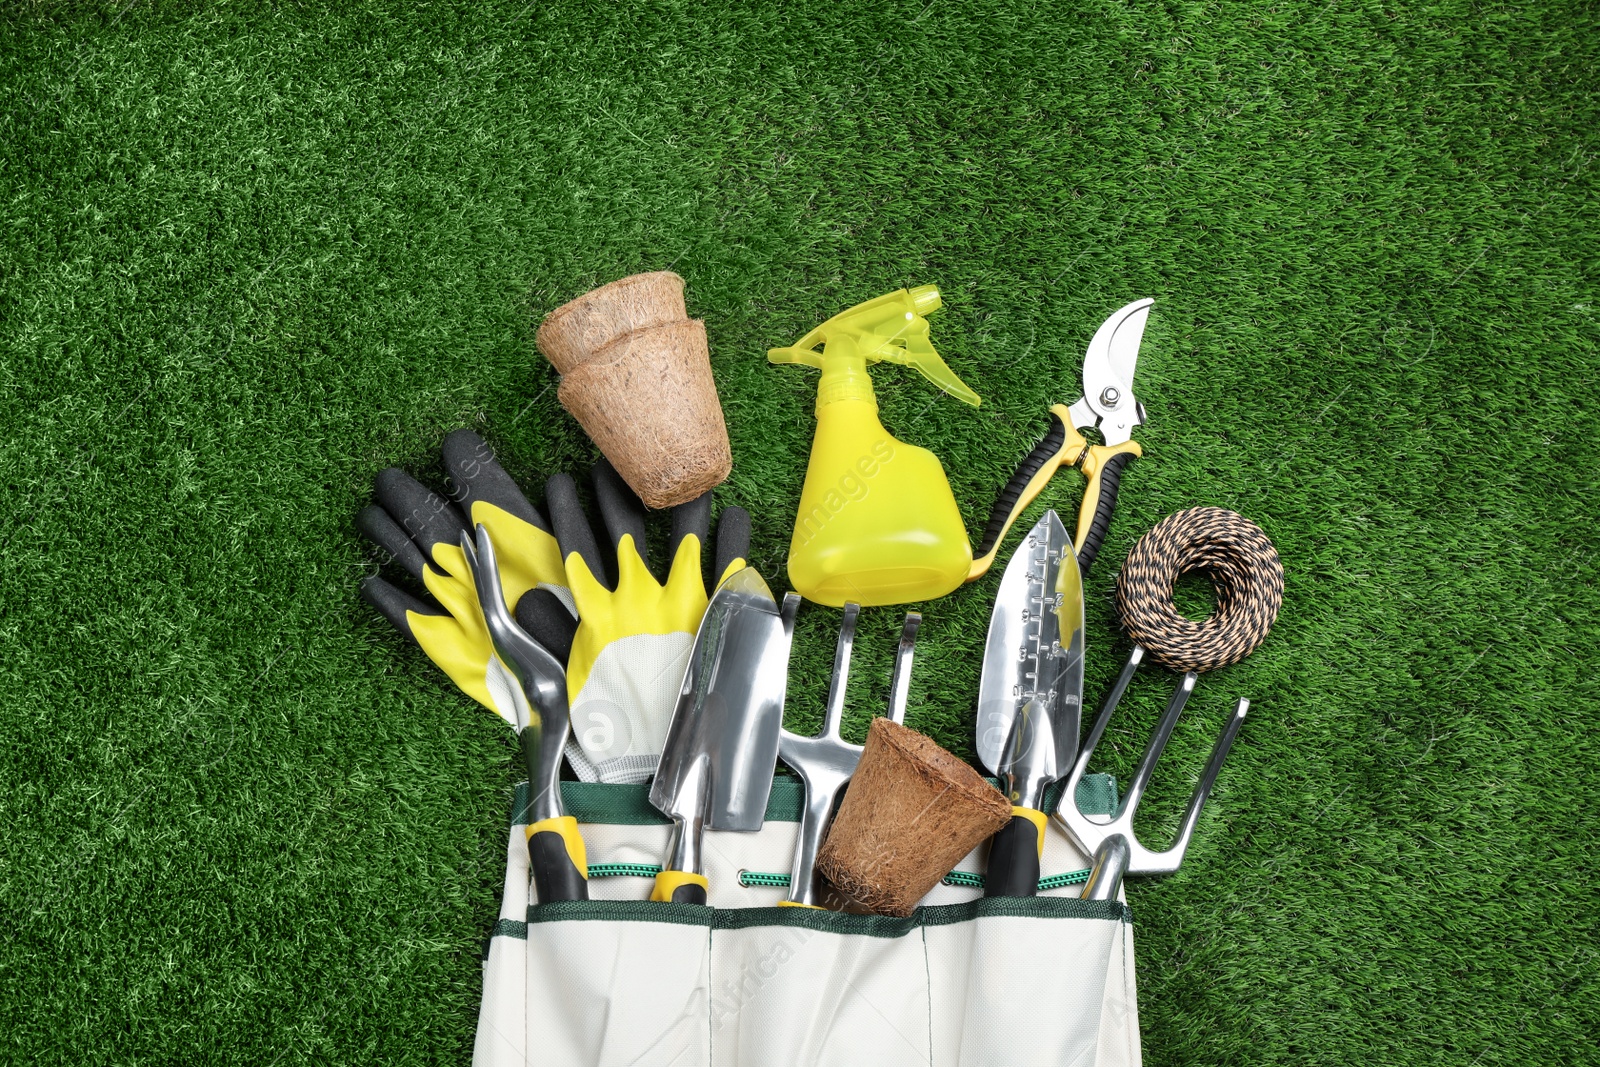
pixel 1244 569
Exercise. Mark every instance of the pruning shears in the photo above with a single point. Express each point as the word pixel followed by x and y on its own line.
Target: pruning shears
pixel 1107 405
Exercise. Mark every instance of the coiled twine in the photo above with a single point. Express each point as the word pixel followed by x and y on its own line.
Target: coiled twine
pixel 1244 569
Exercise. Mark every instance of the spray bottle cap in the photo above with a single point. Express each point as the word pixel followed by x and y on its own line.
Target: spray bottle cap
pixel 890 327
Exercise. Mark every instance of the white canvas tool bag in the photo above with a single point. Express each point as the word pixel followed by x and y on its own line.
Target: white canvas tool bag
pixel 966 981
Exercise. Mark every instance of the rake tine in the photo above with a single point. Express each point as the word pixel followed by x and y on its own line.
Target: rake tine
pixel 900 682
pixel 1209 778
pixel 1107 708
pixel 1158 741
pixel 841 671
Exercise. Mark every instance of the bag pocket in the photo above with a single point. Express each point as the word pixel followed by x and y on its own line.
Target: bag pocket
pixel 619 984
pixel 1015 982
pixel 794 987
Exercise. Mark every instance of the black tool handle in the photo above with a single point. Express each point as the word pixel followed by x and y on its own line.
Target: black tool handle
pixel 1105 467
pixel 689 894
pixel 1012 500
pixel 555 875
pixel 1014 857
pixel 556 854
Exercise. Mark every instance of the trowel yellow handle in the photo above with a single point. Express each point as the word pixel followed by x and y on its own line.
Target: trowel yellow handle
pixel 1063 446
pixel 680 887
pixel 1103 466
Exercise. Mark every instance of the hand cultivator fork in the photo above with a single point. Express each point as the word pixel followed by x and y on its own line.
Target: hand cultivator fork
pixel 1111 842
pixel 1247 575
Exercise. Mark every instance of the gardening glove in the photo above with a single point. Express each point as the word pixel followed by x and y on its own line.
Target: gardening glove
pixel 634 632
pixel 421 530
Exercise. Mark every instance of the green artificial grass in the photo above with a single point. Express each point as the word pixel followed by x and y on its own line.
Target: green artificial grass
pixel 252 254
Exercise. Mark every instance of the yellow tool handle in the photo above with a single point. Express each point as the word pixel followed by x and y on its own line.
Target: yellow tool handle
pixel 1103 466
pixel 559 861
pixel 1061 447
pixel 680 887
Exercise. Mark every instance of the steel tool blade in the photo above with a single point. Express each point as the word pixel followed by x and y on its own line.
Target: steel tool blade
pixel 523 675
pixel 1108 367
pixel 729 710
pixel 722 744
pixel 1034 654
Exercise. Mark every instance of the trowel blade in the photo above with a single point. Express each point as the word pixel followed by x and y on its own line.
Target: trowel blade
pixel 1034 651
pixel 722 745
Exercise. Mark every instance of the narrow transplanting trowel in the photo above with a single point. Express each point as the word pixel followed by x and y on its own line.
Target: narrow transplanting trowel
pixel 1030 696
pixel 722 745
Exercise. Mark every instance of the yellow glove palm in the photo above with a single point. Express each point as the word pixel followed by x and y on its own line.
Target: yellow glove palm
pixel 634 635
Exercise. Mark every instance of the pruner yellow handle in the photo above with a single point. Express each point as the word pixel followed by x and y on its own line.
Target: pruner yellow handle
pixel 1103 466
pixel 1063 446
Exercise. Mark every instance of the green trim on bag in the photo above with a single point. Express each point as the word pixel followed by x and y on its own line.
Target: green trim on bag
pixel 629 805
pixel 652 911
pixel 1097 794
pixel 839 922
pixel 836 922
pixel 775 880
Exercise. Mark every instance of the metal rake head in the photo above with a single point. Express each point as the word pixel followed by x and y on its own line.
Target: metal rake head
pixel 899 684
pixel 1093 833
pixel 826 762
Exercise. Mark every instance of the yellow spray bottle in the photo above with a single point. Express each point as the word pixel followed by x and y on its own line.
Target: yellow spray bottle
pixel 877 524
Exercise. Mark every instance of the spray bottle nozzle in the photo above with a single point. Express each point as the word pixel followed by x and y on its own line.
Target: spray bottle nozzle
pixel 891 327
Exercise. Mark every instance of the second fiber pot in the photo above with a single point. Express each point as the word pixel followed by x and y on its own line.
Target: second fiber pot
pixel 912 811
pixel 649 402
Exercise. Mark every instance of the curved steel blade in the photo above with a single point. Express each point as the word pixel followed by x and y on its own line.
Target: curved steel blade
pixel 1108 372
pixel 537 684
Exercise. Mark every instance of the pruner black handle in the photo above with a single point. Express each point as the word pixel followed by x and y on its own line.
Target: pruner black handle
pixel 1014 856
pixel 1103 466
pixel 1058 448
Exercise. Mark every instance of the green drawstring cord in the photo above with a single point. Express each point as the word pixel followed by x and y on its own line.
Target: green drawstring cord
pixel 968 880
pixel 777 881
pixel 614 870
pixel 963 879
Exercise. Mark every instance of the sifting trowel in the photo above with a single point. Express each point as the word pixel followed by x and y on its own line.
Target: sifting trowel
pixel 1030 696
pixel 722 745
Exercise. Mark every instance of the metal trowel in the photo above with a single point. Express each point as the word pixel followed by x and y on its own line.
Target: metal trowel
pixel 1031 694
pixel 722 745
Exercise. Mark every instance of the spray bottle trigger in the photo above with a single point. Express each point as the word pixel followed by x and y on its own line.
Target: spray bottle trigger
pixel 795 354
pixel 920 353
